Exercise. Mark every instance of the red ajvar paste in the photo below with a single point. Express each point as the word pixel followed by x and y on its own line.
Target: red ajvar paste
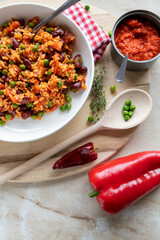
pixel 138 38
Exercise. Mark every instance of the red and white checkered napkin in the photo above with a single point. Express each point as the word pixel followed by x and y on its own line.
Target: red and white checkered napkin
pixel 95 35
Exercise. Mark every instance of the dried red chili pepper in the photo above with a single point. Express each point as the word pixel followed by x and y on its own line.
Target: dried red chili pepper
pixel 122 181
pixel 79 156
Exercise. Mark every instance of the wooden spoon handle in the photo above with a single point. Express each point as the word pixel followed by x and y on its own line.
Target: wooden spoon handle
pixel 48 153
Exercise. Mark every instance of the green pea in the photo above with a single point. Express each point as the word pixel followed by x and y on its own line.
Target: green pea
pixel 68 99
pixel 49 72
pixel 2 122
pixel 110 34
pixel 11 62
pixel 22 73
pixel 8 116
pixel 112 88
pixel 126 117
pixel 130 113
pixel 90 119
pixel 46 62
pixel 30 104
pixel 5 24
pixel 22 46
pixel 68 106
pixel 37 44
pixel 49 30
pixel 87 7
pixel 35 48
pixel 22 66
pixel 128 102
pixel 125 112
pixel 40 114
pixel 59 84
pixel 27 85
pixel 4 72
pixel 132 107
pixel 50 105
pixel 125 107
pixel 67 94
pixel 76 76
pixel 62 108
pixel 1 92
pixel 15 105
pixel 12 83
pixel 33 116
pixel 1 46
pixel 31 24
pixel 9 45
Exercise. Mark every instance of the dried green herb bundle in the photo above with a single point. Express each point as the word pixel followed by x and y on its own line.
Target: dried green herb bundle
pixel 97 94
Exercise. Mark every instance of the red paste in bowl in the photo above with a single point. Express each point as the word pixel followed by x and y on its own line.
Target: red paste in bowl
pixel 138 38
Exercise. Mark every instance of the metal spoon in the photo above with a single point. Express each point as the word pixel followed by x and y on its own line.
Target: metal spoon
pixel 66 5
pixel 121 74
pixel 112 119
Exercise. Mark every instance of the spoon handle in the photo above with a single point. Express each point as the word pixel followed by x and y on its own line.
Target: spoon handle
pixel 66 5
pixel 48 153
pixel 121 74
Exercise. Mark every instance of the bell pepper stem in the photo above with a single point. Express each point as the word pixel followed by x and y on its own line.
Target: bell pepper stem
pixel 93 194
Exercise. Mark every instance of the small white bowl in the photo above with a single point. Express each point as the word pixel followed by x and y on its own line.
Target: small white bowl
pixel 28 130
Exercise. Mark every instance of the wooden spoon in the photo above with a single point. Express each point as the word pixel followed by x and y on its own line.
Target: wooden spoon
pixel 112 119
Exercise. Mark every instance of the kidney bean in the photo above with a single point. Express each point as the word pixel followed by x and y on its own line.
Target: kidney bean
pixel 38 95
pixel 51 51
pixel 2 114
pixel 27 63
pixel 83 69
pixel 22 22
pixel 58 32
pixel 19 91
pixel 5 79
pixel 64 91
pixel 25 100
pixel 11 33
pixel 61 57
pixel 76 85
pixel 24 108
pixel 15 43
pixel 26 114
pixel 77 60
pixel 13 112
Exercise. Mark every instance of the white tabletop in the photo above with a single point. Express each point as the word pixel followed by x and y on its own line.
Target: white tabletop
pixel 62 209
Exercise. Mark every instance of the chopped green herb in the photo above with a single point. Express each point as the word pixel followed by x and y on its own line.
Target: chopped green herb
pixel 97 95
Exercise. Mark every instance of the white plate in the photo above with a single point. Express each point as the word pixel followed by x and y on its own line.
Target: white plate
pixel 28 130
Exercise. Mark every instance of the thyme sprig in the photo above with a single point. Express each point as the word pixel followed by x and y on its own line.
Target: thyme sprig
pixel 97 94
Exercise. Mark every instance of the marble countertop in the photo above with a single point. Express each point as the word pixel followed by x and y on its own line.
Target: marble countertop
pixel 61 209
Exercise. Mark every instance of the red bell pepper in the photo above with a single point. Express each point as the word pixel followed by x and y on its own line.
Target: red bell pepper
pixel 120 182
pixel 79 156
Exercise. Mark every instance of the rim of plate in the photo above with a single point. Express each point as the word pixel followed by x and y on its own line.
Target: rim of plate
pixel 88 87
